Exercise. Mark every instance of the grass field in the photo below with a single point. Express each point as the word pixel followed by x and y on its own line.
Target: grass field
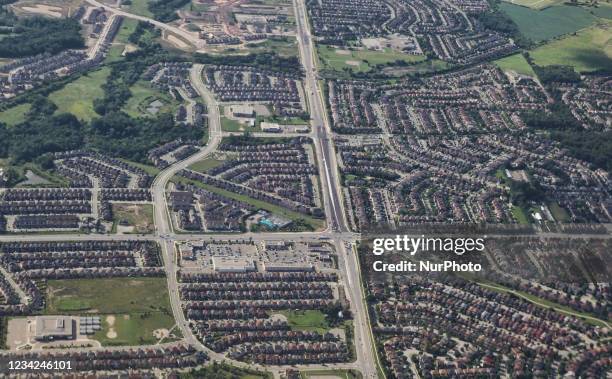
pixel 128 26
pixel 588 50
pixel 151 170
pixel 311 320
pixel 206 164
pixel 139 306
pixel 77 97
pixel 517 63
pixel 15 115
pixel 284 46
pixel 360 60
pixel 140 216
pixel 143 95
pixel 312 222
pixel 332 374
pixel 520 215
pixel 535 4
pixel 558 213
pixel 140 7
pixel 548 23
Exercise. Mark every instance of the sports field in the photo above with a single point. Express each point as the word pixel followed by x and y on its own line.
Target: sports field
pixel 131 309
pixel 588 50
pixel 335 59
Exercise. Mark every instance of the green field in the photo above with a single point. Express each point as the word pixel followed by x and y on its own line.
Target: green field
pixel 77 97
pixel 311 320
pixel 312 222
pixel 535 4
pixel 128 26
pixel 140 216
pixel 558 213
pixel 15 115
pixel 283 46
pixel 139 306
pixel 143 95
pixel 151 170
pixel 228 125
pixel 360 60
pixel 517 63
pixel 520 215
pixel 588 50
pixel 548 23
pixel 140 7
pixel 206 164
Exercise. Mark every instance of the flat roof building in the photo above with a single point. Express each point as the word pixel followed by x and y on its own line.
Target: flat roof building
pixel 50 328
pixel 222 264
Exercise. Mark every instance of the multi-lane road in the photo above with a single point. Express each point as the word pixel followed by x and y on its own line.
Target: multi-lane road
pixel 337 231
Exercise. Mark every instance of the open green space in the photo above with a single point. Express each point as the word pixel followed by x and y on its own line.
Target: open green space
pixel 558 213
pixel 140 7
pixel 332 58
pixel 535 4
pixel 131 308
pixel 151 170
pixel 205 165
pixel 331 374
pixel 77 97
pixel 128 26
pixel 107 296
pixel 229 125
pixel 15 115
pixel 224 371
pixel 311 222
pixel 138 216
pixel 520 215
pixel 311 320
pixel 588 50
pixel 283 46
pixel 516 63
pixel 143 95
pixel 541 25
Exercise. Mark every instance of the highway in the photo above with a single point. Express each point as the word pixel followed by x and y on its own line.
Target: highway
pixel 192 38
pixel 322 136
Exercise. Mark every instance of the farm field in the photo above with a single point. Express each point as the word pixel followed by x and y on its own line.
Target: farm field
pixel 15 115
pixel 77 97
pixel 131 309
pixel 517 63
pixel 589 50
pixel 542 25
pixel 360 60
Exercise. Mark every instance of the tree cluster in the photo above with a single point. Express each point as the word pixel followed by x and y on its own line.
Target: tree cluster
pixel 38 35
